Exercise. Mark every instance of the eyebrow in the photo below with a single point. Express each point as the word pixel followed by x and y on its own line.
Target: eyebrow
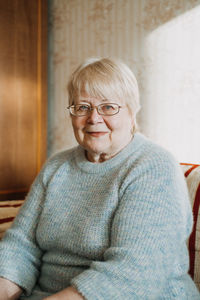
pixel 87 99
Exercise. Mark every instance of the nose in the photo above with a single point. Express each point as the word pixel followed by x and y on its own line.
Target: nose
pixel 94 117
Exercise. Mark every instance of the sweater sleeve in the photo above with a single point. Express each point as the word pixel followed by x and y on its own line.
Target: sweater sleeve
pixel 148 234
pixel 19 252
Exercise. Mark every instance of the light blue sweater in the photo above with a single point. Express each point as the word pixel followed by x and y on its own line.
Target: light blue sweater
pixel 114 230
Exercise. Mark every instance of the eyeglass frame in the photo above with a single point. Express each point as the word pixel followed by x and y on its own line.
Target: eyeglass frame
pixel 92 108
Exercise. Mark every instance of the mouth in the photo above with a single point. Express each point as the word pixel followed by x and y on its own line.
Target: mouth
pixel 96 133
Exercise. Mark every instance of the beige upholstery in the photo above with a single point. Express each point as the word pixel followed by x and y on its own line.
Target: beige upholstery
pixel 192 174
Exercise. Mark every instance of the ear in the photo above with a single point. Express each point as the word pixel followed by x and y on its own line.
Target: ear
pixel 133 124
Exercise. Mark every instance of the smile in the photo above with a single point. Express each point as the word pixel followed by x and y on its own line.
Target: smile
pixel 96 133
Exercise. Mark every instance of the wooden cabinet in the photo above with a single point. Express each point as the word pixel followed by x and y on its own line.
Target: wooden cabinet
pixel 23 85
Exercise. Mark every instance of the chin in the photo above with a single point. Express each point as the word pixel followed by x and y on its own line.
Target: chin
pixel 96 149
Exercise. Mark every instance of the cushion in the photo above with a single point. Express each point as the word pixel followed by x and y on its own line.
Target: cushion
pixel 192 175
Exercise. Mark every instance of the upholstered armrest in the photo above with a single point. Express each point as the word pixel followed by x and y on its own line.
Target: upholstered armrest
pixel 192 175
pixel 8 211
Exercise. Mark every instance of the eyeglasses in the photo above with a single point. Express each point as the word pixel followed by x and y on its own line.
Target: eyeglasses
pixel 105 109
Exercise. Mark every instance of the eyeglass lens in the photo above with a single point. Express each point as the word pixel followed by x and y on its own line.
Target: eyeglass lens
pixel 108 109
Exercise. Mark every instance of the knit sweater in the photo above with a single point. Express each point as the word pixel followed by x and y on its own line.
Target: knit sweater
pixel 114 230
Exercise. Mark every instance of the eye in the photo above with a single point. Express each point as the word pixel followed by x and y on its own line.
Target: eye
pixel 107 107
pixel 82 108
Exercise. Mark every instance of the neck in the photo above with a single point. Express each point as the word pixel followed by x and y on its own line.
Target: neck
pixel 98 158
pixel 101 157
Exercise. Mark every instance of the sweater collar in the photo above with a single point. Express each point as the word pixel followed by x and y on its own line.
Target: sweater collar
pixel 90 167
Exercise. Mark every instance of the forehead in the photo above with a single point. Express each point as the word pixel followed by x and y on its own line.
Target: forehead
pixel 91 99
pixel 96 89
pixel 96 101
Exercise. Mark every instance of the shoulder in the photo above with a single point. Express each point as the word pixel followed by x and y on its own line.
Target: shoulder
pixel 54 162
pixel 151 155
pixel 62 156
pixel 150 162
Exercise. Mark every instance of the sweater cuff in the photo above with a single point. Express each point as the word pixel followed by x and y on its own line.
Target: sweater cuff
pixel 95 285
pixel 13 274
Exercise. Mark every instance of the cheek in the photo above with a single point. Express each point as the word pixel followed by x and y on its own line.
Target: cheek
pixel 119 124
pixel 113 123
pixel 77 123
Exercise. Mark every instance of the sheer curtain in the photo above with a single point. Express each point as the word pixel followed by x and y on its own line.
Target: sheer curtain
pixel 171 88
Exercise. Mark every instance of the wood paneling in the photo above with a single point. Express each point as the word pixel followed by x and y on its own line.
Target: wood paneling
pixel 23 55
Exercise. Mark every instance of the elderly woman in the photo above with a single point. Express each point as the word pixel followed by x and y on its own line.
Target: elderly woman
pixel 108 219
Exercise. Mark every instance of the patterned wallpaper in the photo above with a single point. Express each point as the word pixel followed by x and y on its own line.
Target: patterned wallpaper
pixel 156 38
pixel 158 12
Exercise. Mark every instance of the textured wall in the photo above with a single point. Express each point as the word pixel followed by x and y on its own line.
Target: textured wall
pixel 158 39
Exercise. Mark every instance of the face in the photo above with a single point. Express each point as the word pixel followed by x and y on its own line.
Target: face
pixel 102 136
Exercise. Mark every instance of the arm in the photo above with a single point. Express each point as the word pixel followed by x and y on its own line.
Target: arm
pixel 69 293
pixel 9 290
pixel 19 252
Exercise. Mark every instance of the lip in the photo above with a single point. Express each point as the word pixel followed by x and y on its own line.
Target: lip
pixel 96 133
